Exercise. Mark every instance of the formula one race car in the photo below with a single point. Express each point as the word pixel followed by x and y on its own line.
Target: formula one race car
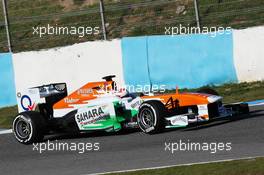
pixel 101 106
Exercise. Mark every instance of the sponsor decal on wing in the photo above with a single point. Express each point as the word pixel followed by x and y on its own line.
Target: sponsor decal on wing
pixel 178 120
pixel 90 115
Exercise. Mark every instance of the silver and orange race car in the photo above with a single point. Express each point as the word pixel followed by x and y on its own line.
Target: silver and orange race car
pixel 101 106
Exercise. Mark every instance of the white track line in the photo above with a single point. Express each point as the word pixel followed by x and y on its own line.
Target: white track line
pixel 7 131
pixel 169 166
pixel 257 104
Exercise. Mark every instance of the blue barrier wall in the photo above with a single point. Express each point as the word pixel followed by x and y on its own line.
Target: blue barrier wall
pixel 135 63
pixel 7 83
pixel 188 61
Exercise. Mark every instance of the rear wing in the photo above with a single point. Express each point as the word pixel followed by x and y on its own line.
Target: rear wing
pixel 28 99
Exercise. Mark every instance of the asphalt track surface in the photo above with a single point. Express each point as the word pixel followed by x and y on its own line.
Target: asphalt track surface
pixel 133 150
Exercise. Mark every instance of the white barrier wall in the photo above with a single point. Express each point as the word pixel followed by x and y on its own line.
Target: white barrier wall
pixel 76 65
pixel 248 45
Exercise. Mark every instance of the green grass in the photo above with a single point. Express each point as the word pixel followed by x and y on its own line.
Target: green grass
pixel 122 18
pixel 237 167
pixel 230 93
pixel 7 115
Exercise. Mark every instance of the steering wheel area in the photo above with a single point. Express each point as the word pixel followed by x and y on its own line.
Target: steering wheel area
pixel 109 78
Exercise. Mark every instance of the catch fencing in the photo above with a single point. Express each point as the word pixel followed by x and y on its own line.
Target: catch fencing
pixel 108 19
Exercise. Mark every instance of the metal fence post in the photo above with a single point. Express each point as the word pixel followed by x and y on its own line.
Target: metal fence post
pixel 7 25
pixel 102 18
pixel 197 13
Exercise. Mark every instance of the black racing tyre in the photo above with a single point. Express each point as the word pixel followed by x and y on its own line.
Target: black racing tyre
pixel 208 91
pixel 244 109
pixel 29 127
pixel 151 117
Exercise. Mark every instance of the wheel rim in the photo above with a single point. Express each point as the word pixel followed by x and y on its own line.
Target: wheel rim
pixel 23 128
pixel 147 118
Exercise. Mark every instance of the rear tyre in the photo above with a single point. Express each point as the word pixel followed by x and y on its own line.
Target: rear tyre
pixel 29 127
pixel 151 116
pixel 208 91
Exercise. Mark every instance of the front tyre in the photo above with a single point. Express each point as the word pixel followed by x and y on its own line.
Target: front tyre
pixel 29 127
pixel 151 116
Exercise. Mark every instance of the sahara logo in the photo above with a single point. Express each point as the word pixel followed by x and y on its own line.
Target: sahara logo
pixel 26 103
pixel 90 116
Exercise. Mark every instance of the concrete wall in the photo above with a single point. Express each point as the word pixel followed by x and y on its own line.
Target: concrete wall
pixel 189 61
pixel 249 53
pixel 186 60
pixel 195 60
pixel 76 65
pixel 135 63
pixel 7 83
